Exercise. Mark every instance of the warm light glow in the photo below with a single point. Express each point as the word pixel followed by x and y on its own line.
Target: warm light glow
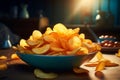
pixel 84 7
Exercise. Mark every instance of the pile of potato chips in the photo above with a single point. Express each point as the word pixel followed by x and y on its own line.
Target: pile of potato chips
pixel 58 41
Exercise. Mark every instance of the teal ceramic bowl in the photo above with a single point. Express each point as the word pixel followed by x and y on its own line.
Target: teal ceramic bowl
pixel 48 62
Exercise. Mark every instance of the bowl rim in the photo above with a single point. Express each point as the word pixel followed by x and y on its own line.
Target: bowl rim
pixel 19 53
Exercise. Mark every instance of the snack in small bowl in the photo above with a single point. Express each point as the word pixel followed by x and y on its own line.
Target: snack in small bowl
pixel 57 49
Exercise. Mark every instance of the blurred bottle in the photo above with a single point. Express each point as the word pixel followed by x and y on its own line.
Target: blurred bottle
pixel 7 44
pixel 14 11
pixel 24 12
pixel 43 22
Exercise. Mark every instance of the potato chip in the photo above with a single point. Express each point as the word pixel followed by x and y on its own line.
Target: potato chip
pixel 99 56
pixel 56 49
pixel 36 34
pixel 83 50
pixel 101 63
pixel 73 52
pixel 3 58
pixel 31 37
pixel 48 30
pixel 32 42
pixel 23 43
pixel 82 36
pixel 76 30
pixel 14 56
pixel 41 42
pixel 41 50
pixel 60 28
pixel 72 31
pixel 118 54
pixel 64 43
pixel 40 74
pixel 74 42
pixel 100 66
pixel 49 38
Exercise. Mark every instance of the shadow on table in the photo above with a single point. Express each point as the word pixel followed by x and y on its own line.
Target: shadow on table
pixel 25 72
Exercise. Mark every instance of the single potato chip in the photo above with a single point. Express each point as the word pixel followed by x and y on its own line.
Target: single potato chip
pixel 60 28
pixel 41 50
pixel 32 42
pixel 3 57
pixel 23 43
pixel 40 74
pixel 74 42
pixel 100 66
pixel 14 56
pixel 48 30
pixel 118 54
pixel 36 34
pixel 99 56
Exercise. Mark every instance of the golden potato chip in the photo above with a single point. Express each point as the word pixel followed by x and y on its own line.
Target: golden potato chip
pixel 3 57
pixel 60 28
pixel 72 31
pixel 49 38
pixel 41 50
pixel 40 74
pixel 31 37
pixel 57 49
pixel 41 42
pixel 48 30
pixel 76 30
pixel 118 54
pixel 100 66
pixel 82 36
pixel 14 56
pixel 73 52
pixel 64 43
pixel 74 42
pixel 99 56
pixel 21 49
pixel 83 50
pixel 32 42
pixel 23 43
pixel 36 34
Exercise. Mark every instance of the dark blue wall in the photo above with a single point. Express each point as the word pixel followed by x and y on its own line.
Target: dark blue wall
pixel 58 10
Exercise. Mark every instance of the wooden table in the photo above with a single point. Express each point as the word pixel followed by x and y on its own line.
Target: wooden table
pixel 18 70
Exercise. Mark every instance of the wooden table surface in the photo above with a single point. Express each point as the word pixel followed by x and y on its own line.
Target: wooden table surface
pixel 18 70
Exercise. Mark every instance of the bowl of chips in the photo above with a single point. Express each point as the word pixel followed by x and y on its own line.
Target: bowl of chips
pixel 55 63
pixel 56 50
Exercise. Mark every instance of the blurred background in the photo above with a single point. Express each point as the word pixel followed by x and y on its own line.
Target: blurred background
pixel 65 11
pixel 23 16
